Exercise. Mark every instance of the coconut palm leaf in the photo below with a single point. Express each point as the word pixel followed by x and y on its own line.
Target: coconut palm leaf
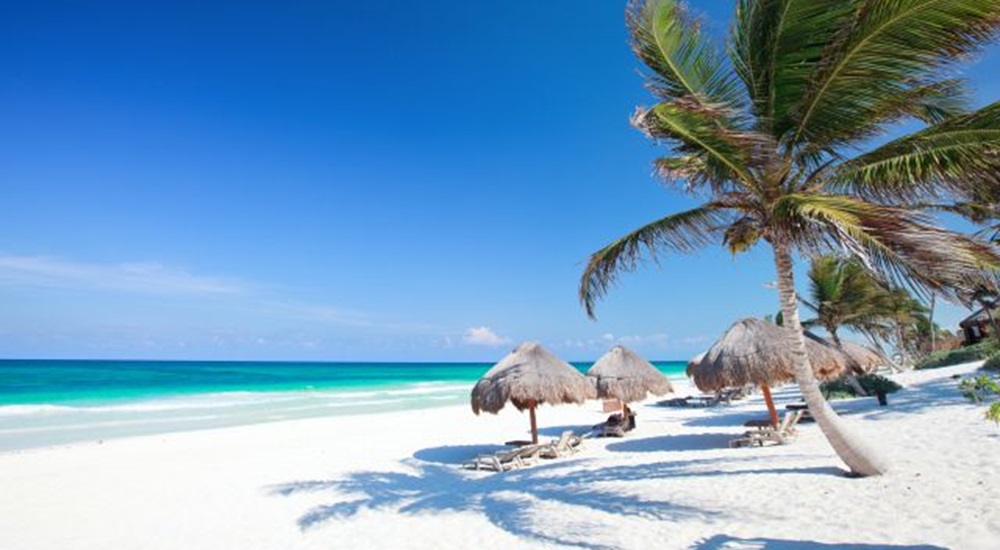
pixel 720 154
pixel 956 157
pixel 684 64
pixel 774 44
pixel 683 232
pixel 896 243
pixel 890 47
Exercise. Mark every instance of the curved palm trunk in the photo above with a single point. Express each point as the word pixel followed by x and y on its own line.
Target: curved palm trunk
pixel 858 457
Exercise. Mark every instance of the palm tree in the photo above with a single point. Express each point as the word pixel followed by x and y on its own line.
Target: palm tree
pixel 842 293
pixel 768 134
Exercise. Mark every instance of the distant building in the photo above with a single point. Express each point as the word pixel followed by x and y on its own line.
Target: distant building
pixel 978 326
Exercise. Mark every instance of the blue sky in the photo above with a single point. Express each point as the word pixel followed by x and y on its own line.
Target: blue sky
pixel 339 181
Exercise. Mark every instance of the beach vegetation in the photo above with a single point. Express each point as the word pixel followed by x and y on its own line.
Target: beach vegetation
pixel 992 362
pixel 983 389
pixel 966 354
pixel 770 132
pixel 979 389
pixel 993 412
pixel 873 384
pixel 844 294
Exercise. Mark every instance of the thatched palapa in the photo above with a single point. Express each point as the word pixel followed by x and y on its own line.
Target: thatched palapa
pixel 758 353
pixel 692 363
pixel 530 376
pixel 755 352
pixel 621 374
pixel 862 359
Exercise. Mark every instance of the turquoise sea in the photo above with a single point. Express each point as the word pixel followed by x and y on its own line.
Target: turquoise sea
pixel 52 402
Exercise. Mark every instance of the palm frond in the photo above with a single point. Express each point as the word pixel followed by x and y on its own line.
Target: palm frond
pixel 958 157
pixel 899 245
pixel 774 46
pixel 718 154
pixel 683 232
pixel 889 49
pixel 683 62
pixel 980 213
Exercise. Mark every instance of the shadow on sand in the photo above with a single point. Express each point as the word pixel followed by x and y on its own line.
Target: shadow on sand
pixel 507 500
pixel 674 443
pixel 455 454
pixel 725 542
pixel 430 482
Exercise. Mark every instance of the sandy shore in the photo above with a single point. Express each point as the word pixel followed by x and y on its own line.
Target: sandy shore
pixel 394 481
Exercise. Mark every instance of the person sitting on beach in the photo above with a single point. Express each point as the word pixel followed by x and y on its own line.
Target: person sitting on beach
pixel 630 416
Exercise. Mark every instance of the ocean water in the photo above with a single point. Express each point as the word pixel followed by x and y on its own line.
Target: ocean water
pixel 44 403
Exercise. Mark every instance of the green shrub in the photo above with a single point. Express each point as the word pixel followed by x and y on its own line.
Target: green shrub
pixel 983 389
pixel 979 389
pixel 871 383
pixel 965 354
pixel 993 361
pixel 993 413
pixel 836 389
pixel 875 384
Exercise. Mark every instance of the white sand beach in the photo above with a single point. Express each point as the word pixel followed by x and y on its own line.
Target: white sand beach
pixel 395 480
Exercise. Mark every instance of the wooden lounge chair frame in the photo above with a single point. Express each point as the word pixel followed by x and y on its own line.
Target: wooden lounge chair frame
pixel 567 444
pixel 503 461
pixel 784 433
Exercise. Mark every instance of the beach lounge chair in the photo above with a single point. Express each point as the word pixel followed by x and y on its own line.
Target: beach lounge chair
pixel 566 445
pixel 784 433
pixel 614 426
pixel 696 401
pixel 506 460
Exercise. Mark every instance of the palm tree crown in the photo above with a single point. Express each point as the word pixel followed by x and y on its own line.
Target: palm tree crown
pixel 842 293
pixel 767 132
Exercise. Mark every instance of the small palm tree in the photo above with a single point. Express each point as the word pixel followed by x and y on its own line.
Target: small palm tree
pixel 768 137
pixel 842 293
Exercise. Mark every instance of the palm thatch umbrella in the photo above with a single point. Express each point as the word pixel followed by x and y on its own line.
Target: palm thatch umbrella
pixel 621 374
pixel 689 369
pixel 862 358
pixel 755 352
pixel 857 359
pixel 529 376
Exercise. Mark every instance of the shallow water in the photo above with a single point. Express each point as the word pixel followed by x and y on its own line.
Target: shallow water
pixel 45 403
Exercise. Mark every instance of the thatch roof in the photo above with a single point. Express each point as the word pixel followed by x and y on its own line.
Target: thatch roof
pixel 623 375
pixel 530 375
pixel 689 369
pixel 858 359
pixel 755 352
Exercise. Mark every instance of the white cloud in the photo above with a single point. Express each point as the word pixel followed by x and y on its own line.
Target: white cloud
pixel 483 336
pixel 152 277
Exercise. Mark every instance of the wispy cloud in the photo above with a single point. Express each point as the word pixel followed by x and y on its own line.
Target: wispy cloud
pixel 150 277
pixel 321 314
pixel 483 336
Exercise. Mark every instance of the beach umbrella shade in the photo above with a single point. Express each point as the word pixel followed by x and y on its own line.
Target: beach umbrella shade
pixel 758 353
pixel 862 359
pixel 621 374
pixel 689 369
pixel 530 376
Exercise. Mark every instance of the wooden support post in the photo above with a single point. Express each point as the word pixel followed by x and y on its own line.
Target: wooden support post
pixel 534 424
pixel 770 404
